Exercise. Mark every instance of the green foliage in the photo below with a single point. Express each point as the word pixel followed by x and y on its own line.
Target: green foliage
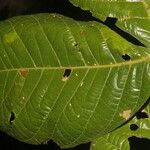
pixel 133 16
pixel 69 80
pixel 118 139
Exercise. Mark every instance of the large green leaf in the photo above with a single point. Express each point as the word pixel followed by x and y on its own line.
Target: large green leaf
pixel 133 15
pixel 40 100
pixel 118 140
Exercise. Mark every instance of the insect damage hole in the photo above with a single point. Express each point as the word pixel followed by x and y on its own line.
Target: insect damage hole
pixel 126 57
pixel 75 44
pixel 137 143
pixel 133 127
pixel 12 118
pixel 66 75
pixel 141 115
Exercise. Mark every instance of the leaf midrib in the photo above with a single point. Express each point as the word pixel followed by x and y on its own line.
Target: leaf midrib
pixel 138 61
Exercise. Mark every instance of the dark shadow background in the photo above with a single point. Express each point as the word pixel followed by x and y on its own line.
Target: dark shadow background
pixel 10 8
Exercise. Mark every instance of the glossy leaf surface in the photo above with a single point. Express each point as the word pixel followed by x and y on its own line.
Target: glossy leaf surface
pixel 67 81
pixel 133 16
pixel 139 127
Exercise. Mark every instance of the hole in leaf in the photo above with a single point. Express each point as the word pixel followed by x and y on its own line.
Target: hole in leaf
pixel 133 127
pixel 141 115
pixel 12 118
pixel 66 74
pixel 126 57
pixel 139 143
pixel 110 21
pixel 76 44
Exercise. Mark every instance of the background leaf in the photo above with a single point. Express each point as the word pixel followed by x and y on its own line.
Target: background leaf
pixel 66 80
pixel 132 16
pixel 118 140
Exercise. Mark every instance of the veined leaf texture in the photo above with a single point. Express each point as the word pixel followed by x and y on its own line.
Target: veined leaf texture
pixel 69 81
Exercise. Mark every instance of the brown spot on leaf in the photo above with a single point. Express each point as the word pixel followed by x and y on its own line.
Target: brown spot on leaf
pixel 126 114
pixel 24 72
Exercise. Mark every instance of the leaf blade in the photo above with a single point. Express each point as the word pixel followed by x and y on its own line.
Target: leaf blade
pixel 68 111
pixel 129 18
